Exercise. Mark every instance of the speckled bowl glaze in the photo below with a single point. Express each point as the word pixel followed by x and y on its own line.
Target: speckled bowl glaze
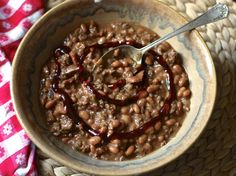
pixel 49 33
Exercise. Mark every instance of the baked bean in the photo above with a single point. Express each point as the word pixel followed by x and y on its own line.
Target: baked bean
pixel 150 130
pixel 156 81
pixel 90 121
pixel 73 56
pixel 170 131
pixel 95 126
pixel 158 69
pixel 113 149
pixel 131 30
pixel 138 66
pixel 150 73
pixel 140 30
pixel 141 102
pixel 84 28
pixel 143 94
pixel 103 129
pixel 177 69
pixel 66 123
pixel 106 89
pixel 50 103
pixel 115 123
pixel 126 118
pixel 154 113
pixel 163 47
pixel 164 127
pixel 186 108
pixel 121 39
pixel 125 110
pixel 161 138
pixel 102 40
pixel 132 126
pixel 65 139
pixel 46 70
pixel 129 60
pixel 182 81
pixel 95 140
pixel 170 122
pixel 73 39
pixel 120 70
pixel 50 117
pixel 150 100
pixel 173 108
pixel 147 147
pixel 101 92
pixel 92 27
pixel 149 60
pixel 128 69
pixel 180 105
pixel 123 32
pixel 137 78
pixel 142 139
pixel 157 126
pixel 130 150
pixel 116 141
pixel 181 91
pixel 163 143
pixel 92 148
pixel 109 36
pixel 167 135
pixel 131 110
pixel 176 79
pixel 48 83
pixel 136 108
pixel 59 110
pixel 152 88
pixel 71 69
pixel 101 33
pixel 186 102
pixel 186 93
pixel 84 115
pixel 125 63
pixel 177 124
pixel 99 151
pixel 125 26
pixel 82 37
pixel 148 107
pixel 147 114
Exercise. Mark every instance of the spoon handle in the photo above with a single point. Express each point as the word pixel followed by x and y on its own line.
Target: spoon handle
pixel 217 12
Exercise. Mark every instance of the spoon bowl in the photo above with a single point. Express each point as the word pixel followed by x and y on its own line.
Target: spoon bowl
pixel 127 51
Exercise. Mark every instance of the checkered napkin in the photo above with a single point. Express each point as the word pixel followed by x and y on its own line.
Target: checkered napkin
pixel 16 150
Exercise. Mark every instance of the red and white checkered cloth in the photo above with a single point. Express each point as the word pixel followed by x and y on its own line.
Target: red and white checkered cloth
pixel 16 151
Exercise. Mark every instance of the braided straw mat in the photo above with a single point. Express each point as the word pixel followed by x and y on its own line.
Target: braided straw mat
pixel 214 153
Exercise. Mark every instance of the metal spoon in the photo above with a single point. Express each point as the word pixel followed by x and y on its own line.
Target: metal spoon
pixel 217 12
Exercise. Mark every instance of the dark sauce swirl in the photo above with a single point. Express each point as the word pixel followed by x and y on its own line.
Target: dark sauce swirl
pixel 164 111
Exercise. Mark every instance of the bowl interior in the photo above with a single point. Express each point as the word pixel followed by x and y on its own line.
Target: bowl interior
pixel 49 33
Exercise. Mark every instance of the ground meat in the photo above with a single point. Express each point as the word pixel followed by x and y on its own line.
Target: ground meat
pixel 118 79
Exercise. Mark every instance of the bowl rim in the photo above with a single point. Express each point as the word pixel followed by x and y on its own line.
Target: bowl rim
pixel 56 155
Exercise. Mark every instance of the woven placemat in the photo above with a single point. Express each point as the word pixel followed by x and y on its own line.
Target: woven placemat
pixel 214 153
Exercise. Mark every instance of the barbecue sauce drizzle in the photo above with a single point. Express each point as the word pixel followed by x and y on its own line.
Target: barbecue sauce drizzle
pixel 164 111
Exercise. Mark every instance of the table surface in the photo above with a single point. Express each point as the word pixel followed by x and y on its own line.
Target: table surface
pixel 214 153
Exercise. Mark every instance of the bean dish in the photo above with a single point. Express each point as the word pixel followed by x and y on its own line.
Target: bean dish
pixel 118 111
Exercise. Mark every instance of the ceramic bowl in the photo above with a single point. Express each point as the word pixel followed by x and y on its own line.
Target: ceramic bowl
pixel 49 32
